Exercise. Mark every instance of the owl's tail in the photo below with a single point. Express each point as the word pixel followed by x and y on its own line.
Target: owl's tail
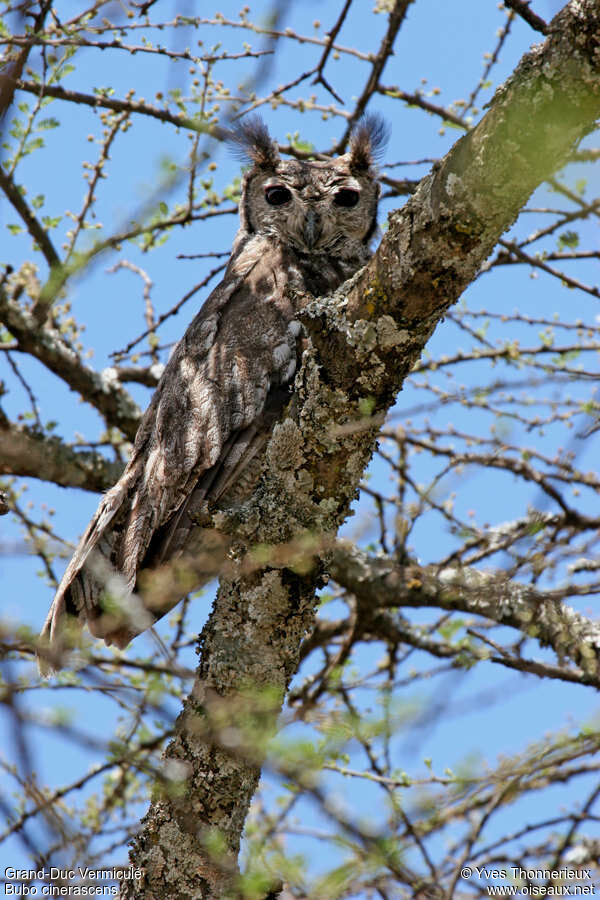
pixel 98 597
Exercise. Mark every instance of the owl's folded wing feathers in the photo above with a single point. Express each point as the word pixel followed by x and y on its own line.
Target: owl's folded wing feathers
pixel 211 413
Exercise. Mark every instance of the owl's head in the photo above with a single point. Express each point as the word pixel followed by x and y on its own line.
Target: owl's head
pixel 316 207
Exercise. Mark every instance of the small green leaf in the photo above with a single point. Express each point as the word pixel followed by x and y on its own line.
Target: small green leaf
pixel 568 239
pixel 47 124
pixel 51 221
pixel 35 144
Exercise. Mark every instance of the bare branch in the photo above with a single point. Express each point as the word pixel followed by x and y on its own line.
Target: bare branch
pixel 27 452
pixel 100 390
pixel 522 9
pixel 35 229
pixel 380 582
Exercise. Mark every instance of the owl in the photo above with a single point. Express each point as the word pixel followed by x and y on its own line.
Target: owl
pixel 305 227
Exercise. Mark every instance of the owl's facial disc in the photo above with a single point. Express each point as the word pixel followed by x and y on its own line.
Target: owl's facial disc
pixel 322 207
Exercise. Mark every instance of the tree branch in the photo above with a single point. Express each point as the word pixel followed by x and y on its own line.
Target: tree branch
pixel 101 101
pixel 379 582
pixel 521 7
pixel 396 18
pixel 11 75
pixel 26 452
pixel 35 229
pixel 101 390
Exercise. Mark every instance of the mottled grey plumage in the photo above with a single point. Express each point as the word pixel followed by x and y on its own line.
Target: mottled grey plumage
pixel 304 227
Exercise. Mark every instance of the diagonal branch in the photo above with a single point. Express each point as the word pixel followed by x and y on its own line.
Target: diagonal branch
pixel 331 36
pixel 35 229
pixel 14 70
pixel 101 390
pixel 521 7
pixel 396 18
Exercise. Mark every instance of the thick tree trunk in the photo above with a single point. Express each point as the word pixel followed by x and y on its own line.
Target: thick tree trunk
pixel 378 327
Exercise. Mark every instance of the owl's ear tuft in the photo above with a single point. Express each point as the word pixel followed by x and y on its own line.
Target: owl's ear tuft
pixel 251 140
pixel 368 141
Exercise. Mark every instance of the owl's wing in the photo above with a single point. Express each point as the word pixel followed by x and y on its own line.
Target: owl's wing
pixel 232 478
pixel 210 413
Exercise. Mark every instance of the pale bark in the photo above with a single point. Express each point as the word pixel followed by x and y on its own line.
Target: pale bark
pixel 102 390
pixel 25 451
pixel 381 584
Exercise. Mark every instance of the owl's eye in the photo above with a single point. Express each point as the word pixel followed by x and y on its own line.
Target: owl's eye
pixel 346 197
pixel 277 195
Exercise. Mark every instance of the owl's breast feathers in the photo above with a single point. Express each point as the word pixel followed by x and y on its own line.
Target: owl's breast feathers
pixel 198 444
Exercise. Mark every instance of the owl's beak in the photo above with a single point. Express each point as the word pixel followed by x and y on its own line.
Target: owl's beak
pixel 312 228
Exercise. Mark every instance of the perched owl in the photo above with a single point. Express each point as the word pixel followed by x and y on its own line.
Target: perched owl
pixel 305 227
